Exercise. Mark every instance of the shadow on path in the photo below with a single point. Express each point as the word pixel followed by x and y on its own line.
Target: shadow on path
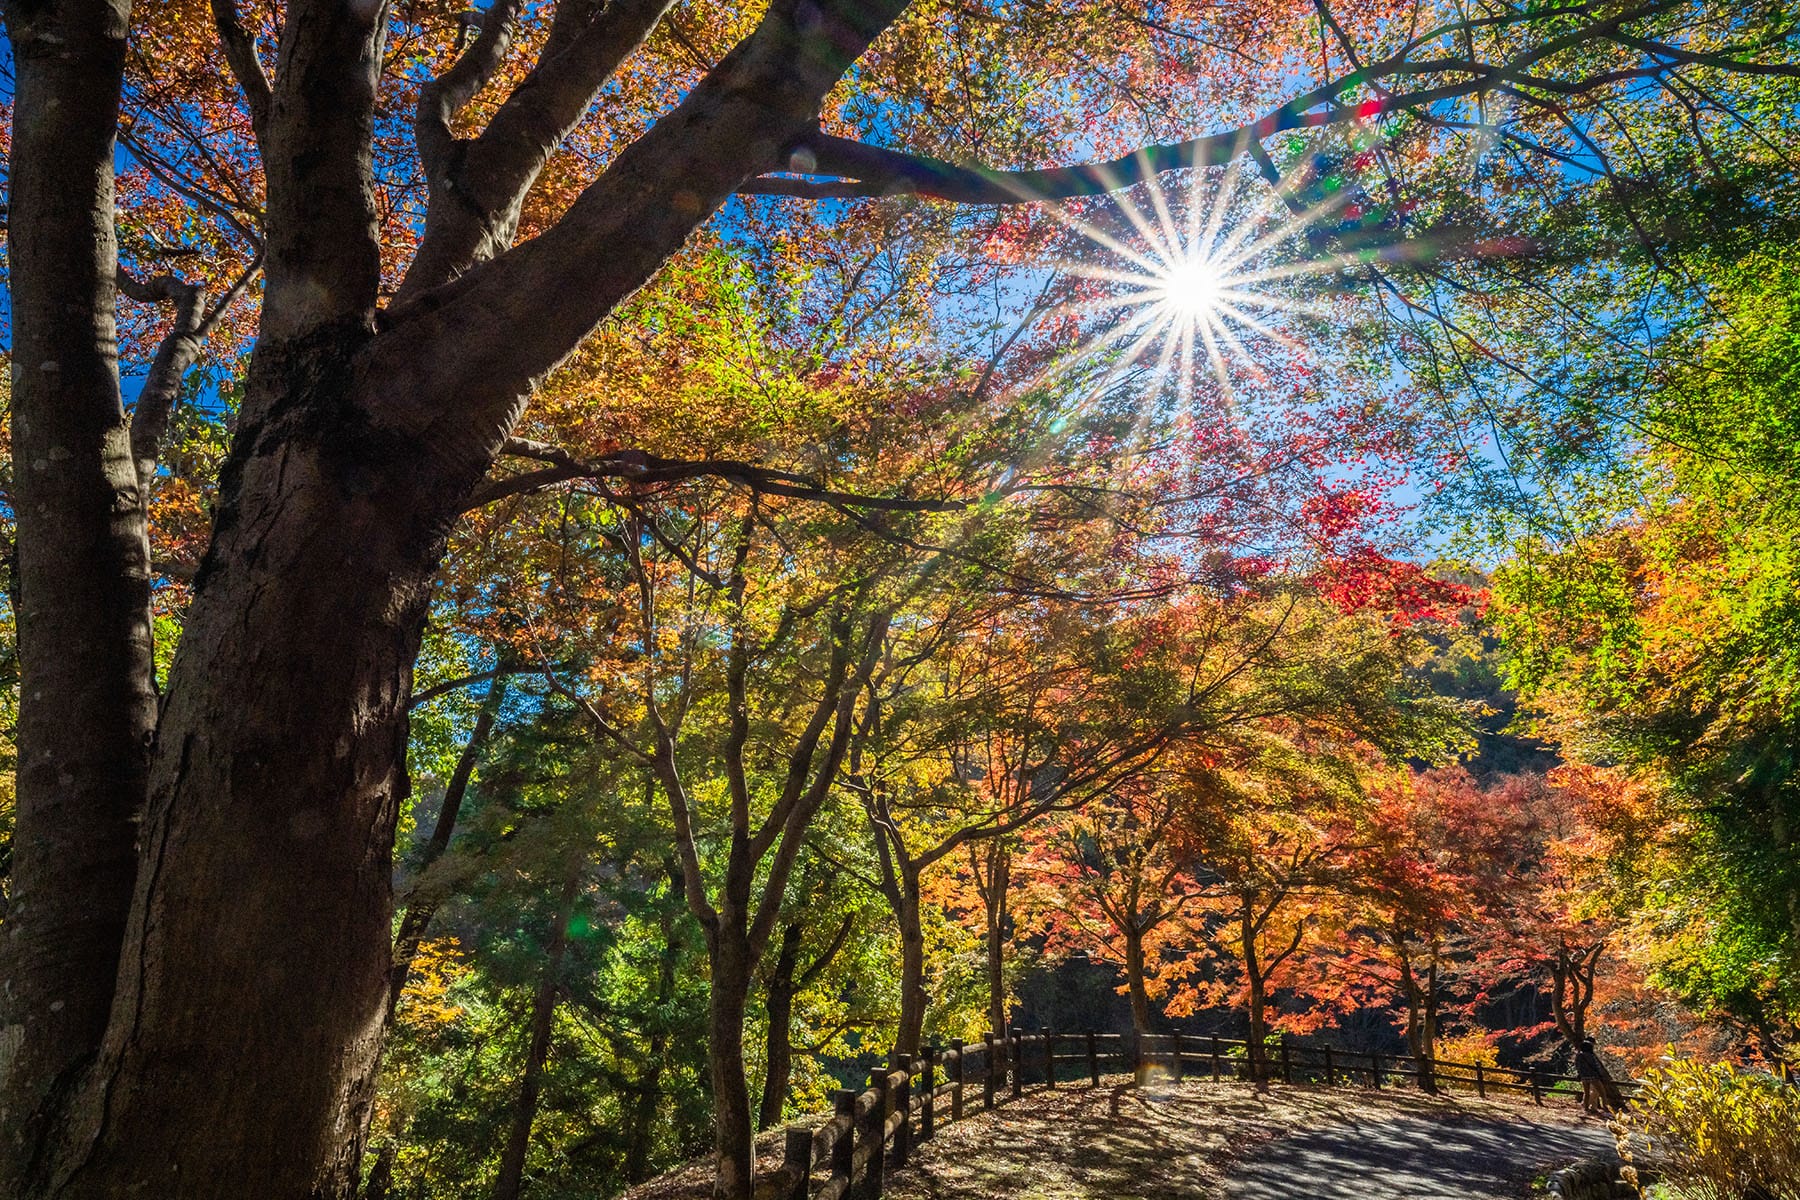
pixel 1200 1141
pixel 1439 1157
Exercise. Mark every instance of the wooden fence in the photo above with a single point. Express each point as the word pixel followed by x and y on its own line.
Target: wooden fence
pixel 875 1130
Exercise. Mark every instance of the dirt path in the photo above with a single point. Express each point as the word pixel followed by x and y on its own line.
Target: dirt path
pixel 1201 1141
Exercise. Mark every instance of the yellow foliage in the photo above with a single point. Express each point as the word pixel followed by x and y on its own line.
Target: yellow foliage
pixel 425 1003
pixel 1723 1133
pixel 1465 1049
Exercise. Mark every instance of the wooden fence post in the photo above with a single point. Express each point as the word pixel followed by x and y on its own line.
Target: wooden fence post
pixel 843 1151
pixel 873 1136
pixel 1330 1074
pixel 1049 1059
pixel 1537 1094
pixel 1093 1053
pixel 1175 1057
pixel 1480 1084
pixel 928 1095
pixel 1018 1064
pixel 1287 1064
pixel 1215 1057
pixel 956 1079
pixel 987 1076
pixel 798 1152
pixel 901 1065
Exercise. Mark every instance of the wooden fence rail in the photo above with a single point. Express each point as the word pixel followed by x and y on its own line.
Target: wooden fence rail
pixel 905 1103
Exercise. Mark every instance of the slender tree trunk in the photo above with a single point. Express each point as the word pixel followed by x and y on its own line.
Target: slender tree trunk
pixel 1134 981
pixel 537 1052
pixel 649 1085
pixel 417 919
pixel 734 1142
pixel 913 996
pixel 1572 990
pixel 87 707
pixel 1256 1000
pixel 1421 1019
pixel 779 1055
pixel 995 905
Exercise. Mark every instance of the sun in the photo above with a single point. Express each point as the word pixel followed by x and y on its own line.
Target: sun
pixel 1189 280
pixel 1190 289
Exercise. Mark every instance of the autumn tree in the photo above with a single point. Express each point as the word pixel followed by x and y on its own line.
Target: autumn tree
pixel 1112 883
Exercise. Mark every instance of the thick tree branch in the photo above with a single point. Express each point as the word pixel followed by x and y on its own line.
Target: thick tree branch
pixel 861 170
pixel 448 374
pixel 324 250
pixel 174 354
pixel 637 467
pixel 178 350
pixel 443 98
pixel 479 185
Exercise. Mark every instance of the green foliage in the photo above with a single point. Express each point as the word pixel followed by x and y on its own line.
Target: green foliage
pixel 1667 640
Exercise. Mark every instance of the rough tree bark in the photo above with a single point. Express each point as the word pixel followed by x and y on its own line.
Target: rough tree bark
pixel 88 708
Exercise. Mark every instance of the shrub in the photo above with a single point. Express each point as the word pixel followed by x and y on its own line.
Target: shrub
pixel 1723 1134
pixel 1465 1050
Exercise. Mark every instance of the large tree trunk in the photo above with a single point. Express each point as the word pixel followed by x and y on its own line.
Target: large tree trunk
pixel 87 704
pixel 537 1051
pixel 258 961
pixel 779 1054
pixel 255 966
pixel 734 1141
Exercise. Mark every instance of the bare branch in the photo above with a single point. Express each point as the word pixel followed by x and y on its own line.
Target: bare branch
pixel 239 45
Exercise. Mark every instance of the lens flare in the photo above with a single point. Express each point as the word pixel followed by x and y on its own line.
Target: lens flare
pixel 1189 279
